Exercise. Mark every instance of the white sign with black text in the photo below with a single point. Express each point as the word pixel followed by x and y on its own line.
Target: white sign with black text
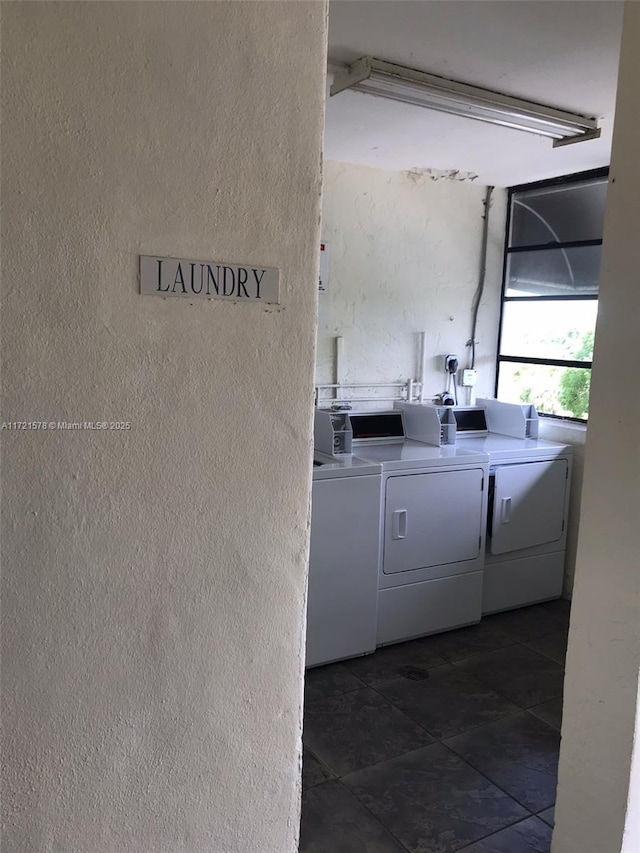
pixel 208 279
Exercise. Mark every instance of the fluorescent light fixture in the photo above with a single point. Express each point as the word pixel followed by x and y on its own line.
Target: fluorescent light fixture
pixel 385 80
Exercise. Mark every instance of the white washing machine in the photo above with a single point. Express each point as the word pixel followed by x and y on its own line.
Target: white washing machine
pixel 344 559
pixel 530 482
pixel 434 502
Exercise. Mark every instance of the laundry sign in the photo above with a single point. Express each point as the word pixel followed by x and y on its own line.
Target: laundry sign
pixel 208 279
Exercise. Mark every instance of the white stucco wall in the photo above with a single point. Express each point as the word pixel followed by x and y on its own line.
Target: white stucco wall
pixel 154 579
pixel 603 657
pixel 631 836
pixel 404 257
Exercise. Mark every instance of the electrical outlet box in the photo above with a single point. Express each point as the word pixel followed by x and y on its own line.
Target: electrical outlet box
pixel 451 363
pixel 469 377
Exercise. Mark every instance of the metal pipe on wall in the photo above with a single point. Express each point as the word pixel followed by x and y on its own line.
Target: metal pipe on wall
pixel 421 363
pixel 340 361
pixel 365 385
pixel 364 400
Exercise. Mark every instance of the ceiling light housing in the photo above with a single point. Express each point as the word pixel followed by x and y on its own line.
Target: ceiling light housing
pixel 386 80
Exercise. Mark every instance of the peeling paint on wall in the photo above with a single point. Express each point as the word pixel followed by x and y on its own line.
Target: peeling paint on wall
pixel 405 255
pixel 441 175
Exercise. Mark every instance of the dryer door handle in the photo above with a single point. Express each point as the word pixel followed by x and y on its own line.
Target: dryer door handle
pixel 505 513
pixel 399 524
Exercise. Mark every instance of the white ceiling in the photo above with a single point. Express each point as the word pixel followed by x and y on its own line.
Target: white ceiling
pixel 561 53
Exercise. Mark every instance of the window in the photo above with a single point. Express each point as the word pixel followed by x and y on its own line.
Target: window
pixel 550 293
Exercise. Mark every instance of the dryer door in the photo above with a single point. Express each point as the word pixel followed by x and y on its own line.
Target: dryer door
pixel 432 519
pixel 528 505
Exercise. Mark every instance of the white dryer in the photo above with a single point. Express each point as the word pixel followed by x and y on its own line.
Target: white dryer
pixel 530 482
pixel 434 503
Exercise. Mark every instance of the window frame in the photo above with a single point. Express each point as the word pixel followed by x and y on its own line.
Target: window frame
pixel 575 178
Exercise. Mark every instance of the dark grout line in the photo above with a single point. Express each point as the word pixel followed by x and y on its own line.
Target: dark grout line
pixel 520 708
pixel 495 784
pixel 540 720
pixel 474 676
pixel 515 643
pixel 503 695
pixel 332 695
pixel 526 644
pixel 392 758
pixel 381 823
pixel 511 641
pixel 320 761
pixel 551 826
pixel 491 834
pixel 437 739
pixel 475 769
pixel 375 817
pixel 442 743
pixel 558 626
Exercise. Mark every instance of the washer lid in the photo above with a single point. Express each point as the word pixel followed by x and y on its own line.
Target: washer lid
pixel 399 455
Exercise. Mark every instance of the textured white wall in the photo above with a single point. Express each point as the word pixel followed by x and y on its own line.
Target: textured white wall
pixel 631 836
pixel 404 256
pixel 154 580
pixel 601 686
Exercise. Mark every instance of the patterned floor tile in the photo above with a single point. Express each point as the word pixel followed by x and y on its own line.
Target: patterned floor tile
pixel 519 753
pixel 522 675
pixel 313 771
pixel 432 801
pixel 358 729
pixel 329 680
pixel 465 642
pixel 528 836
pixel 525 623
pixel 553 646
pixel 334 821
pixel 448 702
pixel 549 816
pixel 560 610
pixel 550 712
pixel 392 661
pixel 427 799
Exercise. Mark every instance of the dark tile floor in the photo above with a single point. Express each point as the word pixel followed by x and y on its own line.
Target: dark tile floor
pixel 449 743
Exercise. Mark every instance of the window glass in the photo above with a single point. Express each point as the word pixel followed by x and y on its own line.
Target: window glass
pixel 554 272
pixel 557 329
pixel 550 294
pixel 560 213
pixel 553 390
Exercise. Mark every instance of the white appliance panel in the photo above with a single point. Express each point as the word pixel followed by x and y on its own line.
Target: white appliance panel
pixel 343 568
pixel 528 505
pixel 427 607
pixel 522 581
pixel 432 519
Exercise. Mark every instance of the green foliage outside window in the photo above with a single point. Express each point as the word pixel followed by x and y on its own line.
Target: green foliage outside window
pixel 576 383
pixel 559 390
